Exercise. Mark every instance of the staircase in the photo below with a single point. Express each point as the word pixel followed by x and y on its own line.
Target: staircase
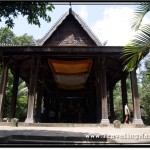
pixel 52 140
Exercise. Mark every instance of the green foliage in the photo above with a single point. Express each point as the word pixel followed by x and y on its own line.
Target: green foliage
pixel 21 112
pixel 23 40
pixel 118 106
pixel 7 36
pixel 144 90
pixel 33 11
pixel 141 11
pixel 138 48
pixel 21 105
pixel 8 94
pixel 145 101
pixel 118 101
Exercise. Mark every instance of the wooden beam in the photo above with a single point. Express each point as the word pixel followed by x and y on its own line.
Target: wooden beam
pixel 60 50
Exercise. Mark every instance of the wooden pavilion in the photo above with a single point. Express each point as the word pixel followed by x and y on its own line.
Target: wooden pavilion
pixel 70 72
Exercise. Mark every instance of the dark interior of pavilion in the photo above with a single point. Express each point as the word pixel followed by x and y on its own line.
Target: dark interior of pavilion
pixel 72 101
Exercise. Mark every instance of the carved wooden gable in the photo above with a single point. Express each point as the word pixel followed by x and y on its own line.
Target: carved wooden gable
pixel 69 33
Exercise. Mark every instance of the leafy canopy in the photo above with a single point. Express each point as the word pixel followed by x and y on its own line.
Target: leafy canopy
pixel 8 37
pixel 33 11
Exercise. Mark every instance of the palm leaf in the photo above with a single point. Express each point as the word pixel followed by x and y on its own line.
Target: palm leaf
pixel 136 49
pixel 141 11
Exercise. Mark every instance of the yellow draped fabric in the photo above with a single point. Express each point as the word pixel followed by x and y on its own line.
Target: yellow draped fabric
pixel 70 75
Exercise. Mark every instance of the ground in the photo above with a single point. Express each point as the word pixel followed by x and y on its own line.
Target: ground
pixel 127 134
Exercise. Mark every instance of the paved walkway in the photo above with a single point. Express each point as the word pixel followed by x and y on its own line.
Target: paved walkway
pixel 125 135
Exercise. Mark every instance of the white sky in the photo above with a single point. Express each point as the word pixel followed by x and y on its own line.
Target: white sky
pixel 108 22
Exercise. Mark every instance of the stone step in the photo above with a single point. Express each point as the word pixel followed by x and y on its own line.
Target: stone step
pixel 22 124
pixel 52 124
pixel 28 139
pixel 17 141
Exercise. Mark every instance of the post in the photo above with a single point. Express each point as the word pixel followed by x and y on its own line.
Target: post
pixel 137 115
pixel 3 87
pixel 32 88
pixel 98 89
pixel 14 94
pixel 124 94
pixel 39 98
pixel 111 98
pixel 104 120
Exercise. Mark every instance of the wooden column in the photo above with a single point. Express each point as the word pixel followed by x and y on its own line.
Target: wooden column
pixel 137 115
pixel 98 89
pixel 124 94
pixel 14 94
pixel 57 99
pixel 104 119
pixel 112 114
pixel 39 97
pixel 46 106
pixel 39 103
pixel 31 93
pixel 2 88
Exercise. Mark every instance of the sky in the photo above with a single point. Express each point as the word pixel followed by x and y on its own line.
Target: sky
pixel 109 23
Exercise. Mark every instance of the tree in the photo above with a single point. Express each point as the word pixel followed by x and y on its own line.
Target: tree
pixel 138 48
pixel 21 105
pixel 144 90
pixel 23 40
pixel 8 37
pixel 33 11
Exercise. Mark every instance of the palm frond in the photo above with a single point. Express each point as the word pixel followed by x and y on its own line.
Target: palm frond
pixel 137 48
pixel 141 11
pixel 23 91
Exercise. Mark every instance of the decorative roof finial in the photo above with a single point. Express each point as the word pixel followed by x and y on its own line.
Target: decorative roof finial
pixel 70 9
pixel 70 4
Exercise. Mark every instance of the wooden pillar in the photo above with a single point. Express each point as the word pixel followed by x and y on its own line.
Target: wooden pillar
pixel 2 88
pixel 98 89
pixel 46 106
pixel 39 97
pixel 39 103
pixel 111 98
pixel 31 93
pixel 14 94
pixel 137 115
pixel 104 119
pixel 57 99
pixel 124 94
